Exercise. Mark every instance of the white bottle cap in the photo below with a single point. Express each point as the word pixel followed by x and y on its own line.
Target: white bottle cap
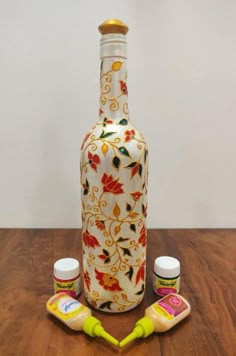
pixel 66 268
pixel 166 266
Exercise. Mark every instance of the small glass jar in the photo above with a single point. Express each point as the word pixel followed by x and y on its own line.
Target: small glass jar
pixel 67 276
pixel 166 275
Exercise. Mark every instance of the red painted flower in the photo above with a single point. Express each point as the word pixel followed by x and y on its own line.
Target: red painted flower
pixel 107 281
pixel 111 185
pixel 143 236
pixel 123 87
pixel 87 280
pixel 129 135
pixel 107 121
pixel 100 224
pixel 136 195
pixel 85 139
pixel 141 273
pixel 94 160
pixel 100 111
pixel 90 240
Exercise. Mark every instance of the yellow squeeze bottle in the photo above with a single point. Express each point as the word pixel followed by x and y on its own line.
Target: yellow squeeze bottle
pixel 77 316
pixel 160 316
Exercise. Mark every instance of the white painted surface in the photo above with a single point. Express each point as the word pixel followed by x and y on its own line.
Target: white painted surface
pixel 182 84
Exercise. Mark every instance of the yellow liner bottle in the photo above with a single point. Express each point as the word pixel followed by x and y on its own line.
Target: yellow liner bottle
pixel 159 317
pixel 77 316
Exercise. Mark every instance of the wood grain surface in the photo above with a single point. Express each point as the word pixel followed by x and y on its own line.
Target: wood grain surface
pixel 208 276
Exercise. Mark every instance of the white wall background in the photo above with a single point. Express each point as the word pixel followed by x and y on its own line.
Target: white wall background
pixel 182 87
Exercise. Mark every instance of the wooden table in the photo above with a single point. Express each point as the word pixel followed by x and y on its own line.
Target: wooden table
pixel 208 262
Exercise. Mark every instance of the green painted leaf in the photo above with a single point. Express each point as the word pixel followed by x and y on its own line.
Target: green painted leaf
pixel 106 253
pixel 121 239
pixel 106 305
pixel 85 192
pixel 130 273
pixel 140 170
pixel 128 207
pixel 131 165
pixel 116 162
pixel 126 251
pixel 106 134
pixel 87 183
pixel 123 122
pixel 145 155
pixel 107 260
pixel 141 290
pixel 133 227
pixel 124 151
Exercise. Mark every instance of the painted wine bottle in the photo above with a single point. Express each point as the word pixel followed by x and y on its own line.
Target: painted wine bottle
pixel 114 170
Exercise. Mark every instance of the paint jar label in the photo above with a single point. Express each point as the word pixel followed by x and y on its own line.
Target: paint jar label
pixel 71 287
pixel 163 286
pixel 170 307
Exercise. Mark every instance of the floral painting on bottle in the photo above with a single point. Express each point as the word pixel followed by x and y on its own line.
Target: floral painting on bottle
pixel 114 204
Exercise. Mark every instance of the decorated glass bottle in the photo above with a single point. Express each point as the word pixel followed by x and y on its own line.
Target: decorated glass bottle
pixel 114 169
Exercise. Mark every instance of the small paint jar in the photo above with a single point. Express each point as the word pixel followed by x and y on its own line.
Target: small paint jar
pixel 67 276
pixel 166 275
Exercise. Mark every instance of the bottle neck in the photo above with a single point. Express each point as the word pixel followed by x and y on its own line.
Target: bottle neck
pixel 113 78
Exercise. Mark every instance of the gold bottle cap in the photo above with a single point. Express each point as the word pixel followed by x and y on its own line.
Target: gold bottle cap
pixel 113 26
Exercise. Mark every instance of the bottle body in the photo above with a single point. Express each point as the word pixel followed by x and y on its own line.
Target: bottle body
pixel 114 198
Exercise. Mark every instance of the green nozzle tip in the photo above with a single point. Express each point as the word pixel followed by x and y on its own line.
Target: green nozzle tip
pixel 93 327
pixel 108 337
pixel 132 336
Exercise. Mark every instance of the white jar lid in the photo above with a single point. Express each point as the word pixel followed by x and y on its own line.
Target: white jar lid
pixel 166 266
pixel 66 268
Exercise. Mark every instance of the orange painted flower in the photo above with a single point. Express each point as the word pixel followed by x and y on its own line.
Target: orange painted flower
pixel 107 281
pixel 111 185
pixel 94 160
pixel 136 195
pixel 87 280
pixel 100 224
pixel 141 273
pixel 129 135
pixel 123 87
pixel 90 240
pixel 143 236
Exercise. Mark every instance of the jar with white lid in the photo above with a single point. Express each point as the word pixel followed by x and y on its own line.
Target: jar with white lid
pixel 166 275
pixel 67 276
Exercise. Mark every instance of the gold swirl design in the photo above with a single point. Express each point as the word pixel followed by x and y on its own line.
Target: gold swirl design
pixel 107 89
pixel 91 256
pixel 121 308
pixel 89 207
pixel 91 198
pixel 91 223
pixel 103 203
pixel 103 100
pixel 114 269
pixel 109 242
pixel 116 298
pixel 93 147
pixel 95 294
pixel 114 105
pixel 139 146
pixel 106 233
pixel 123 267
pixel 126 108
